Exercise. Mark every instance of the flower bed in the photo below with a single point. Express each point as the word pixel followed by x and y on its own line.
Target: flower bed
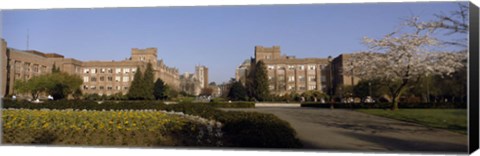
pixel 112 128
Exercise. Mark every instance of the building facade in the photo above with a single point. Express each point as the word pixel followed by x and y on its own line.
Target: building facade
pixel 288 74
pixel 99 77
pixel 194 83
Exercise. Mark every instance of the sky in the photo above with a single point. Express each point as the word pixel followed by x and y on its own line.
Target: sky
pixel 219 37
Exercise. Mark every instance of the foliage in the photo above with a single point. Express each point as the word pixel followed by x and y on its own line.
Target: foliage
pixel 57 84
pixel 241 129
pixel 112 128
pixel 207 91
pixel 399 60
pixel 135 92
pixel 257 83
pixel 450 119
pixel 160 90
pixel 364 87
pixel 237 92
pixel 148 80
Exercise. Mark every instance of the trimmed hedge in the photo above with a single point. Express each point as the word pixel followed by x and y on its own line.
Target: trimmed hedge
pixel 384 105
pixel 85 104
pixel 111 105
pixel 241 129
pixel 246 129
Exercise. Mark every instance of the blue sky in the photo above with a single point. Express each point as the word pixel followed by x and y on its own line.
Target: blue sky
pixel 220 37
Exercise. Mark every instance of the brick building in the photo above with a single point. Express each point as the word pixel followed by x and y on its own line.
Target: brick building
pixel 287 74
pixel 99 77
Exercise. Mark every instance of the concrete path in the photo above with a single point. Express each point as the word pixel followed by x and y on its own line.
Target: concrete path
pixel 347 130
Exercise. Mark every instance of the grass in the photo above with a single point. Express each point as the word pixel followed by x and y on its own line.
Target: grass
pixel 450 119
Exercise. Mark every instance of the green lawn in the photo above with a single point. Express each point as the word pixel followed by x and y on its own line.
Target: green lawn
pixel 450 119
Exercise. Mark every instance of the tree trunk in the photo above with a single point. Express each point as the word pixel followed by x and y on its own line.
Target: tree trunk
pixel 395 102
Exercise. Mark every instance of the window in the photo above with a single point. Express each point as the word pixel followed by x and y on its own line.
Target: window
pixel 85 87
pixel 126 70
pixel 101 88
pixel 270 67
pixel 291 78
pixel 134 70
pixel 271 87
pixel 291 67
pixel 86 71
pixel 102 78
pixel 93 87
pixel 301 78
pixel 312 87
pixel 93 79
pixel 118 87
pixel 311 67
pixel 301 87
pixel 102 70
pixel 110 78
pixel 117 78
pixel 109 70
pixel 85 79
pixel 125 88
pixel 93 70
pixel 301 67
pixel 312 78
pixel 270 78
pixel 109 88
pixel 125 79
pixel 118 70
pixel 35 68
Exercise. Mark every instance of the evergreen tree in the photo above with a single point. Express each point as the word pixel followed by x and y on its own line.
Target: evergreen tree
pixel 160 90
pixel 148 83
pixel 136 87
pixel 260 82
pixel 237 92
pixel 250 88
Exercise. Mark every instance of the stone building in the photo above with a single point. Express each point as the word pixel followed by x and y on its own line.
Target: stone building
pixel 190 84
pixel 287 74
pixel 194 83
pixel 99 77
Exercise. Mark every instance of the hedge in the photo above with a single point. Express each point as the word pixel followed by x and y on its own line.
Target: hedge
pixel 241 129
pixel 384 105
pixel 111 105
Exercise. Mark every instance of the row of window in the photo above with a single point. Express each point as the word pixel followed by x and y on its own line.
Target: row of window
pixel 292 67
pixel 109 70
pixel 85 87
pixel 107 78
pixel 291 87
pixel 300 78
pixel 27 67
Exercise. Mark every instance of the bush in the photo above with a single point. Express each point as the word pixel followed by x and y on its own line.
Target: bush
pixel 241 129
pixel 85 104
pixel 112 128
pixel 384 105
pixel 246 129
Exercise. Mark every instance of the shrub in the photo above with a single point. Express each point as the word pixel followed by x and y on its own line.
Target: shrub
pixel 241 129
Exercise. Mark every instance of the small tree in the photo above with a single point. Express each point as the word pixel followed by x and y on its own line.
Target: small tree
pixel 136 87
pixel 237 92
pixel 148 82
pixel 160 90
pixel 257 83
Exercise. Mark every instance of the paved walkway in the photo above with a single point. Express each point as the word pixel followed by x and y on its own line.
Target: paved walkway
pixel 346 130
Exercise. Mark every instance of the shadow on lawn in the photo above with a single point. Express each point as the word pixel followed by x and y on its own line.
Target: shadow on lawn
pixel 396 144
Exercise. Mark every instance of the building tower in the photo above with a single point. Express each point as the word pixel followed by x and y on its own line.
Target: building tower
pixel 201 73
